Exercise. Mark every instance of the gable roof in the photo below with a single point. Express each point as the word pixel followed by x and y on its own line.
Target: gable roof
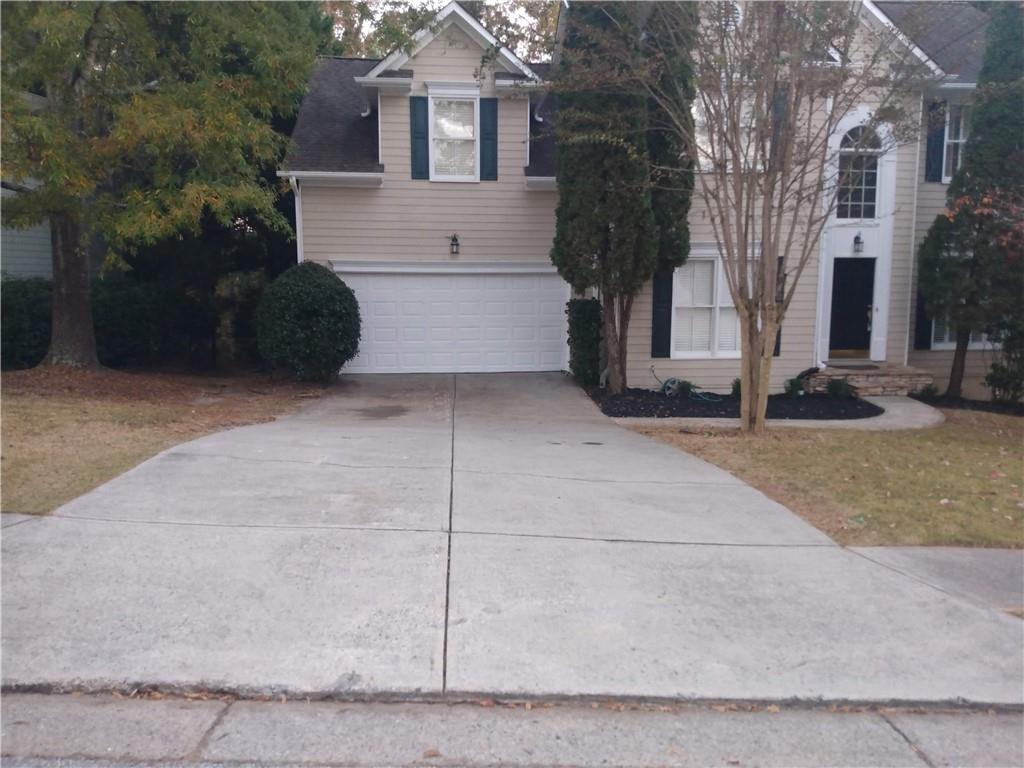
pixel 330 133
pixel 951 34
pixel 453 13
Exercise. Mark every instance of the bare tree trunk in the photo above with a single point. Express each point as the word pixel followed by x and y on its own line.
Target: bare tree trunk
pixel 758 346
pixel 616 313
pixel 72 340
pixel 956 373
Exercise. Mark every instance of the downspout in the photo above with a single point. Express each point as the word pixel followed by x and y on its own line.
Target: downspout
pixel 297 192
pixel 912 290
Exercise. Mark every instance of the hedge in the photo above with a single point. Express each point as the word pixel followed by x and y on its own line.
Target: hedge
pixel 585 339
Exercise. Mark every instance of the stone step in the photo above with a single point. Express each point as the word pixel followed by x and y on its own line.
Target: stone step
pixel 885 380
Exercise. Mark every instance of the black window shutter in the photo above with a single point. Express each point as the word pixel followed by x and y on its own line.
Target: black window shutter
pixel 661 316
pixel 922 325
pixel 419 138
pixel 488 139
pixel 936 139
pixel 780 295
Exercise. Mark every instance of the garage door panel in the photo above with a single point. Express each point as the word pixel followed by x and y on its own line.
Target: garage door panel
pixel 459 322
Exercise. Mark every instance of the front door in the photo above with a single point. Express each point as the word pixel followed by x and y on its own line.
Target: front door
pixel 853 290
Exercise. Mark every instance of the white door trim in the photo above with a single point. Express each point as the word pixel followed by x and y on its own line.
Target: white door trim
pixel 445 267
pixel 885 209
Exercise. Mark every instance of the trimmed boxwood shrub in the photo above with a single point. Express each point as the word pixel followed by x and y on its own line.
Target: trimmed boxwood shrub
pixel 584 339
pixel 24 321
pixel 308 322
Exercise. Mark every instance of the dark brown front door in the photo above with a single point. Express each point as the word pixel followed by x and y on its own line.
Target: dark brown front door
pixel 853 290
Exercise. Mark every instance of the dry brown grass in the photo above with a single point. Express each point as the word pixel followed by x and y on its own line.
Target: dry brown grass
pixel 957 484
pixel 66 432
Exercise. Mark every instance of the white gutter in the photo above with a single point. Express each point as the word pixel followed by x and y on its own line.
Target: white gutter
pixel 336 178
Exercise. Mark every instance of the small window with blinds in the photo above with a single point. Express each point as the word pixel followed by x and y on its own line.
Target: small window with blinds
pixel 704 321
pixel 453 139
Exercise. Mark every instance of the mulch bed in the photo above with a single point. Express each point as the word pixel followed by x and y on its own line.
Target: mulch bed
pixel 649 403
pixel 963 404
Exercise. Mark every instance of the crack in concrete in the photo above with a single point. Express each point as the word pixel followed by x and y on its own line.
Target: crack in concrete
pixel 604 481
pixel 917 750
pixel 449 531
pixel 196 753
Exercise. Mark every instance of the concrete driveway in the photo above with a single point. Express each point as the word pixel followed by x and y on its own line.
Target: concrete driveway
pixel 472 533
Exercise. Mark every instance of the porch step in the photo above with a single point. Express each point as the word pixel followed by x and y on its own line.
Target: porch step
pixel 879 379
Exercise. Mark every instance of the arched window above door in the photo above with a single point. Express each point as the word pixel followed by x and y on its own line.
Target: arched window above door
pixel 859 150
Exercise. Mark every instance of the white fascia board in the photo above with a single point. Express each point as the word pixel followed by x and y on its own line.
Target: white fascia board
pixel 335 178
pixel 541 183
pixel 885 21
pixel 397 59
pixel 398 84
pixel 444 267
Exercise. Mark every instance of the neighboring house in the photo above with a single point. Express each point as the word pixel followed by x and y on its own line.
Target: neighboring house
pixel 426 181
pixel 25 252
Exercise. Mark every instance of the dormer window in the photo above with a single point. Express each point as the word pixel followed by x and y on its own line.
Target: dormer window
pixel 454 130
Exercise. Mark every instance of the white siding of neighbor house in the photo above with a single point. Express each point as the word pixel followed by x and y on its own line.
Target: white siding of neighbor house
pixel 931 201
pixel 25 252
pixel 412 220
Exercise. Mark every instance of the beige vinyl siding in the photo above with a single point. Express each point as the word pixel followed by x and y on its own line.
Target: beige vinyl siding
pixel 898 339
pixel 25 252
pixel 931 201
pixel 412 220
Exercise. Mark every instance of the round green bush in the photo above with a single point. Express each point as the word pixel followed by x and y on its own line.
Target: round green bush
pixel 25 321
pixel 308 323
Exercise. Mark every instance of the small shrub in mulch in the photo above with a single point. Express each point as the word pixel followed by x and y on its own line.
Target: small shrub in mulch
pixel 963 404
pixel 648 403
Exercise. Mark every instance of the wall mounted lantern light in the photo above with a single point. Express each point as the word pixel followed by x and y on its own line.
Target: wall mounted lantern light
pixel 858 243
pixel 454 247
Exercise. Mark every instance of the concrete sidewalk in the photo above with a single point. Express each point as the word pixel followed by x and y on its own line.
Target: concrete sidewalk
pixel 80 730
pixel 480 535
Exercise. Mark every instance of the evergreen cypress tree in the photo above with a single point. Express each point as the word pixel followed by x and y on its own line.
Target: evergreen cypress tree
pixel 616 218
pixel 970 271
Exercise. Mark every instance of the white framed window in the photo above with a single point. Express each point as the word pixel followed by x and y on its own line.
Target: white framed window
pixel 957 123
pixel 859 150
pixel 454 119
pixel 944 337
pixel 704 321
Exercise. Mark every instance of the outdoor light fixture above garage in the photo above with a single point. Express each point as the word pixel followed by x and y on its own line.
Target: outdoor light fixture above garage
pixel 858 243
pixel 455 245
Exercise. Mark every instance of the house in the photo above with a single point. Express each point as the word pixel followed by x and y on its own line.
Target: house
pixel 25 252
pixel 426 181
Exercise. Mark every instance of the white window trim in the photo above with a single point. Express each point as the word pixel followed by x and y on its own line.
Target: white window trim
pixel 461 93
pixel 946 140
pixel 720 288
pixel 972 346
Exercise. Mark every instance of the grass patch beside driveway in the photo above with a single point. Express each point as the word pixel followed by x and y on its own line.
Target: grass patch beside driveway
pixel 66 432
pixel 959 484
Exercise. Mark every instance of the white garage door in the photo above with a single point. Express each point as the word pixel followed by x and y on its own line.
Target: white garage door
pixel 459 322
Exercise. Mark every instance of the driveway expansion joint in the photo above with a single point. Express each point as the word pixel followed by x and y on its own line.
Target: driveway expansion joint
pixel 448 563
